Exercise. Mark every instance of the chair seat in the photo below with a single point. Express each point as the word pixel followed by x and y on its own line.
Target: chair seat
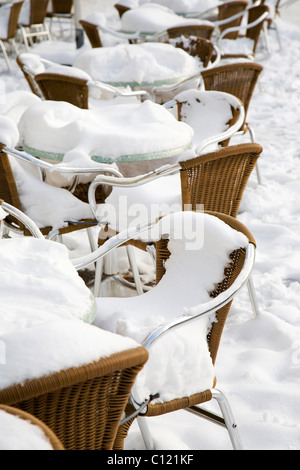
pixel 241 46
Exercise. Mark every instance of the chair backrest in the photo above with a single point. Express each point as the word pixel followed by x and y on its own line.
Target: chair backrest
pixel 38 11
pixel 239 79
pixel 229 9
pixel 202 31
pixel 195 46
pixel 218 179
pixel 15 9
pixel 62 6
pixel 36 423
pixel 121 9
pixel 8 188
pixel 82 405
pixel 29 74
pixel 57 87
pixel 214 336
pixel 92 32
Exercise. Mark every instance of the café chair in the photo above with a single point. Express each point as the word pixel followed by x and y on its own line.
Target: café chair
pixel 239 79
pixel 73 377
pixel 202 49
pixel 92 30
pixel 180 320
pixel 9 15
pixel 32 21
pixel 60 10
pixel 244 44
pixel 215 180
pixel 25 432
pixel 30 65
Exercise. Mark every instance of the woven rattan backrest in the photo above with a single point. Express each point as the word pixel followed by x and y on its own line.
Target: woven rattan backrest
pixel 217 180
pixel 92 33
pixel 253 14
pixel 62 6
pixel 57 87
pixel 230 274
pixel 121 9
pixel 196 47
pixel 53 439
pixel 38 11
pixel 239 79
pixel 13 19
pixel 202 31
pixel 229 9
pixel 29 77
pixel 84 405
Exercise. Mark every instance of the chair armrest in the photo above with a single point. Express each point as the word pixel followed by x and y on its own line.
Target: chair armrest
pixel 111 244
pixel 29 224
pixel 115 91
pixel 129 182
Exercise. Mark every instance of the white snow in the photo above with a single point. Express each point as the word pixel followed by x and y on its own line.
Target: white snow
pixel 258 365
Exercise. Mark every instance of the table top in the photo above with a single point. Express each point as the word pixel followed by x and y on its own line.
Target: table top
pixel 143 65
pixel 116 133
pixel 40 284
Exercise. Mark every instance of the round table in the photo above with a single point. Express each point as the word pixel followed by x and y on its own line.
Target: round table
pixel 142 65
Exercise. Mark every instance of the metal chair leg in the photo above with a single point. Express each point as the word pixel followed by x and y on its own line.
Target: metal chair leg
pixel 135 270
pixel 145 432
pixel 5 55
pixel 229 420
pixel 252 295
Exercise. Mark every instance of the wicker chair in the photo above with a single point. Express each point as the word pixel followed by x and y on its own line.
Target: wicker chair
pixel 202 31
pixel 239 79
pixel 17 414
pixel 230 46
pixel 201 48
pixel 34 27
pixel 215 181
pixel 234 275
pixel 12 12
pixel 28 75
pixel 82 403
pixel 92 31
pixel 62 10
pixel 57 87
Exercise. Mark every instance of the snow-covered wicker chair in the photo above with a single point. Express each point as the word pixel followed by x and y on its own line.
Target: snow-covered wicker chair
pixel 203 31
pixel 9 15
pixel 77 380
pixel 238 79
pixel 180 320
pixel 23 431
pixel 244 45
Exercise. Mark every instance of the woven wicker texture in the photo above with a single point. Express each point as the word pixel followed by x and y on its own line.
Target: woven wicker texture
pixel 202 31
pixel 218 179
pixel 230 9
pixel 38 10
pixel 92 33
pixel 239 79
pixel 53 439
pixel 9 193
pixel 63 7
pixel 196 47
pixel 57 87
pixel 83 406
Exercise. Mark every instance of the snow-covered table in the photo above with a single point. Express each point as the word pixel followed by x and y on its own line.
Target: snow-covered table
pixel 39 284
pixel 59 131
pixel 137 65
